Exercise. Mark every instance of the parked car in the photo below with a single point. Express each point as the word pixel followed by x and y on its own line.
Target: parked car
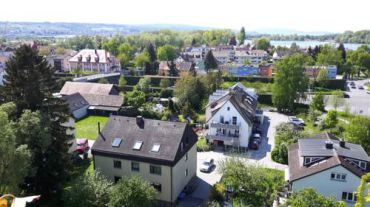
pixel 207 165
pixel 82 146
pixel 296 121
pixel 361 87
pixel 353 86
pixel 257 137
pixel 253 144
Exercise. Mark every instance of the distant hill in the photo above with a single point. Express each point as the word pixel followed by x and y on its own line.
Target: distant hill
pixel 49 29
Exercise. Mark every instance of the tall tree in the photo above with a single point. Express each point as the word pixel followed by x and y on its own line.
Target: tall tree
pixel 152 53
pixel 358 131
pixel 322 77
pixel 166 53
pixel 29 83
pixel 241 36
pixel 132 192
pixel 28 79
pixel 317 102
pixel 210 61
pixel 342 49
pixel 232 41
pixel 15 159
pixel 329 56
pixel 262 44
pixel 290 82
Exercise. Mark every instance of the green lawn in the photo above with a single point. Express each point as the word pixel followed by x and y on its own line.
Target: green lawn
pixel 88 127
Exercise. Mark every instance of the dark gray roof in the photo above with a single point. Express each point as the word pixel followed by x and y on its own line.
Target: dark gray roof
pixel 75 101
pixel 316 147
pixel 104 100
pixel 169 135
pixel 244 103
pixel 186 66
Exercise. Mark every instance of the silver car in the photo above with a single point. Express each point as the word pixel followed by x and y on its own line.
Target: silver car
pixel 207 165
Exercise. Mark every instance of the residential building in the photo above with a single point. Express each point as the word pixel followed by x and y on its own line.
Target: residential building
pixel 200 68
pixel 279 54
pixel 265 70
pixel 230 116
pixel 195 54
pixel 161 152
pixel 255 57
pixel 185 67
pixel 80 105
pixel 224 56
pixel 70 88
pixel 60 62
pixel 313 71
pixel 331 166
pixel 243 71
pixel 99 61
pixel 164 68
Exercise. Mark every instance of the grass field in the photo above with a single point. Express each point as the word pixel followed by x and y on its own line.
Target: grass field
pixel 88 127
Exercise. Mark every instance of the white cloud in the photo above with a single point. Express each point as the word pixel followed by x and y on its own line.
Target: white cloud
pixel 312 15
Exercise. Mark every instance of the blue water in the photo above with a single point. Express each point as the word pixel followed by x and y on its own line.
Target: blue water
pixel 306 44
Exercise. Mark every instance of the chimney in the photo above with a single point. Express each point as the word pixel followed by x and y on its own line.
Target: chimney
pixel 139 120
pixel 342 143
pixel 328 144
pixel 101 135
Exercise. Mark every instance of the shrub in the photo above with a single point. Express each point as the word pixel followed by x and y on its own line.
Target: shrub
pixel 218 192
pixel 202 145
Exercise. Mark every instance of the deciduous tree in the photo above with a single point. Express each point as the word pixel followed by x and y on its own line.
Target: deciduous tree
pixel 290 83
pixel 132 192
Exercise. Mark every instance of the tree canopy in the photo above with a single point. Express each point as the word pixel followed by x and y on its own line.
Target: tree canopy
pixel 310 198
pixel 290 83
pixel 167 53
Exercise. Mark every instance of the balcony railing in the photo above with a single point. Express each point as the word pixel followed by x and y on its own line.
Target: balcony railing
pixel 225 126
pixel 224 137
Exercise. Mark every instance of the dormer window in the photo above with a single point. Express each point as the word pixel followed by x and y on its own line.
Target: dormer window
pixel 156 148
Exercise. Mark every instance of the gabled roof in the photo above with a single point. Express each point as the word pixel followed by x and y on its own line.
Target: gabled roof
pixel 169 135
pixel 104 100
pixel 163 65
pixel 314 147
pixel 86 88
pixel 75 101
pixel 184 66
pixel 244 103
pixel 91 55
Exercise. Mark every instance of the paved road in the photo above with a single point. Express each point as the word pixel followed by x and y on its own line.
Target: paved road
pixel 261 157
pixel 358 99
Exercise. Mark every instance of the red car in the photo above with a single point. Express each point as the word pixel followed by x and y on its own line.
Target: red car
pixel 82 146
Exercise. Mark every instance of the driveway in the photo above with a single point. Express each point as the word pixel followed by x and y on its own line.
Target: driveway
pixel 262 157
pixel 359 100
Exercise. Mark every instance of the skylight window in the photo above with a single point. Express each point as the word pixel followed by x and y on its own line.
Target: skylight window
pixel 137 145
pixel 156 148
pixel 116 142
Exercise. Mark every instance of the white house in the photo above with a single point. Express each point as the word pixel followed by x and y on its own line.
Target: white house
pixel 330 166
pixel 94 61
pixel 230 116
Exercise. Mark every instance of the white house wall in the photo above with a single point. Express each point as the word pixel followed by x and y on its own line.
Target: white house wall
pixel 244 130
pixel 323 183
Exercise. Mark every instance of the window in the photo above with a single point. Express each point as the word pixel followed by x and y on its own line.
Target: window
pixel 116 179
pixel 157 186
pixel 338 176
pixel 186 156
pixel 116 142
pixel 363 165
pixel 117 164
pixel 222 119
pixel 186 172
pixel 228 108
pixel 234 120
pixel 137 145
pixel 155 170
pixel 156 148
pixel 135 166
pixel 349 196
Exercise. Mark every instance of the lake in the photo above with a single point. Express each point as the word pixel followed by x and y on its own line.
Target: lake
pixel 306 44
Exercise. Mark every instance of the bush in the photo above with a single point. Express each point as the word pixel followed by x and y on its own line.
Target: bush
pixel 202 145
pixel 218 192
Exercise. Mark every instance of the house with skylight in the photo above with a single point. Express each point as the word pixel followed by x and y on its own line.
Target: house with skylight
pixel 161 152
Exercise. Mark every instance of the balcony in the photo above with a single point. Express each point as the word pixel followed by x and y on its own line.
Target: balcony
pixel 224 137
pixel 225 126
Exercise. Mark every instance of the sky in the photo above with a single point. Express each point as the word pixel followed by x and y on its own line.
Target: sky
pixel 307 15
